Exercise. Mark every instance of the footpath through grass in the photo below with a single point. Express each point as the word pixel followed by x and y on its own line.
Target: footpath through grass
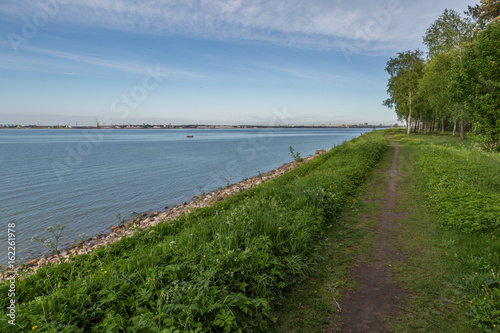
pixel 448 200
pixel 451 192
pixel 218 269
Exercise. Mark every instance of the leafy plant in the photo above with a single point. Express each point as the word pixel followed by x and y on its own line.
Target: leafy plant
pixel 295 155
pixel 52 242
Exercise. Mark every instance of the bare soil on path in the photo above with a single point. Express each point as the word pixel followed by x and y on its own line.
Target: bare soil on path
pixel 378 296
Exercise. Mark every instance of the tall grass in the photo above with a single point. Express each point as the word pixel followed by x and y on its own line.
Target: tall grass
pixel 217 269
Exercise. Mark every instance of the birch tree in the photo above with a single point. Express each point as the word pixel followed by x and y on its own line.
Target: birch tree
pixel 405 72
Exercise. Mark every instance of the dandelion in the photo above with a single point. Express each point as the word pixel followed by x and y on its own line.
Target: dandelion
pixel 34 327
pixel 279 228
pixel 204 256
pixel 471 302
pixel 105 272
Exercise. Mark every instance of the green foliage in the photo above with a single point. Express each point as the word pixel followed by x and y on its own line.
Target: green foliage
pixel 486 11
pixel 479 85
pixel 448 34
pixel 434 87
pixel 217 269
pixel 405 72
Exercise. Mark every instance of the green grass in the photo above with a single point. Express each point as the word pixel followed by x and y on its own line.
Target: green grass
pixel 451 249
pixel 312 304
pixel 217 269
pixel 450 192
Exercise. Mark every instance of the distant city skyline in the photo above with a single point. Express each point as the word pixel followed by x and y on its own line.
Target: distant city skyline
pixel 211 62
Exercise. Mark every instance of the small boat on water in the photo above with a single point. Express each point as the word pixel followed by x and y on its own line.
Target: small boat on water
pixel 189 136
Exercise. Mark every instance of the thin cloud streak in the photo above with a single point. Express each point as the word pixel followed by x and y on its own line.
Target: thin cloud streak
pixel 315 24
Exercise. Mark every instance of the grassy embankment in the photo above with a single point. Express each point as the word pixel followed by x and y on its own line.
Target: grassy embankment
pixel 217 269
pixel 449 197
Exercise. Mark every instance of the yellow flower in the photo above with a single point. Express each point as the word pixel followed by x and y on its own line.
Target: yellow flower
pixel 279 228
pixel 471 302
pixel 34 327
pixel 204 256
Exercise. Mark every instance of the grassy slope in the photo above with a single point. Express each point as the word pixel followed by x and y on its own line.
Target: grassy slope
pixel 216 269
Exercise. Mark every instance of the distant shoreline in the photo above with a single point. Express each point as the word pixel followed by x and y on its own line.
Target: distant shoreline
pixel 167 127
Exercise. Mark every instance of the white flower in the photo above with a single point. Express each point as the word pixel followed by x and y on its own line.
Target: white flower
pixel 172 243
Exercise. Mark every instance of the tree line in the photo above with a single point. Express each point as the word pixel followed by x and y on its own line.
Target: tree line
pixel 456 87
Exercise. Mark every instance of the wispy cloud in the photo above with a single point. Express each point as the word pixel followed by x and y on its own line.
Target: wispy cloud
pixel 47 60
pixel 317 24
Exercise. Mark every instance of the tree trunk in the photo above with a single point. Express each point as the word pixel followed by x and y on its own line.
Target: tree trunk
pixel 442 124
pixel 408 129
pixel 454 127
pixel 425 127
pixel 462 127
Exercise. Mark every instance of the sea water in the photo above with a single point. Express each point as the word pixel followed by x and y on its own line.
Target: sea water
pixel 83 178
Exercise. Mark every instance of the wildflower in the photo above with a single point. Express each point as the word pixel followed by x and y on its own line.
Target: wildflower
pixel 105 272
pixel 279 228
pixel 34 327
pixel 471 302
pixel 204 256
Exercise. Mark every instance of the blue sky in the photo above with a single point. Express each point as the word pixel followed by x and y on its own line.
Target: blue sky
pixel 205 61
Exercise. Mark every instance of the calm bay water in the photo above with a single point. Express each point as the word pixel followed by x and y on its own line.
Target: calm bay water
pixel 83 178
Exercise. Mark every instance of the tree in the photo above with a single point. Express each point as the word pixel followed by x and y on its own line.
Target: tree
pixel 478 83
pixel 449 33
pixel 434 86
pixel 486 11
pixel 405 71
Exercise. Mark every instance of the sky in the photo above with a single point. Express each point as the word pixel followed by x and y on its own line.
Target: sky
pixel 232 62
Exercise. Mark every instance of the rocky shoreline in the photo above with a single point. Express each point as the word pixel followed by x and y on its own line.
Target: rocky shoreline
pixel 152 219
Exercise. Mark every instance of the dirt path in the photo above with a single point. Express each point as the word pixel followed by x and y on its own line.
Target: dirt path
pixel 364 309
